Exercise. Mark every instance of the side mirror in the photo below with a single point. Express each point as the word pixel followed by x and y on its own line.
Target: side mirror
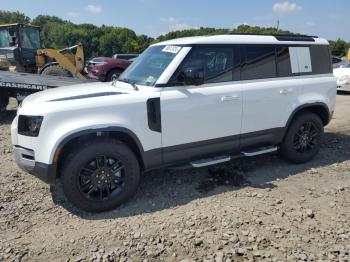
pixel 193 76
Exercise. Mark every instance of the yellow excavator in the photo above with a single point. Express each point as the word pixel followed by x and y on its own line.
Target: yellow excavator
pixel 21 51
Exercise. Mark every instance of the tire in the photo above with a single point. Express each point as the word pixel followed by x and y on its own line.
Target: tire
pixel 56 70
pixel 303 139
pixel 113 75
pixel 4 101
pixel 81 166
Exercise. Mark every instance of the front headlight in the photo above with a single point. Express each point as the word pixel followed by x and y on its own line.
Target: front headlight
pixel 29 125
pixel 97 62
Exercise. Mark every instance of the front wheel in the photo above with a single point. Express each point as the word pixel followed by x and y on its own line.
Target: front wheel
pixel 100 175
pixel 4 101
pixel 303 139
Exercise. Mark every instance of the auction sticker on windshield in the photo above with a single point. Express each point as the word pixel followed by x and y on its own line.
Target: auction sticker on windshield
pixel 172 49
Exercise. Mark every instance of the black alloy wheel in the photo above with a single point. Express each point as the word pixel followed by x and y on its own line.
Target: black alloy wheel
pixel 100 174
pixel 305 138
pixel 102 178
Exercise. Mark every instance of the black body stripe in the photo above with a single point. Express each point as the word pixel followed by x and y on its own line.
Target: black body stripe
pixel 86 96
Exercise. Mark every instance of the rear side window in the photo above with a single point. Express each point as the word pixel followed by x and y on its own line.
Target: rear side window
pixel 260 63
pixel 216 62
pixel 313 60
pixel 320 59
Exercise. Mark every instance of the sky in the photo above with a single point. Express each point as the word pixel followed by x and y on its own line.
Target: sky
pixel 325 18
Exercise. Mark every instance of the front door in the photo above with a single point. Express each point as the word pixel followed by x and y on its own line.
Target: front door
pixel 202 120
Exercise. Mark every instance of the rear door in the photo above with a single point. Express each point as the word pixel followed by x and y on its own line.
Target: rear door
pixel 270 93
pixel 206 119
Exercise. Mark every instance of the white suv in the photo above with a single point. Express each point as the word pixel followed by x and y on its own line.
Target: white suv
pixel 197 100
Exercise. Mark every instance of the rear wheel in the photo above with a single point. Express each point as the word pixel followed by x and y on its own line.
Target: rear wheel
pixel 100 175
pixel 113 75
pixel 303 139
pixel 56 70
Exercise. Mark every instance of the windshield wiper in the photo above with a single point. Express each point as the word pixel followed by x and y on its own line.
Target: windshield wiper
pixel 129 82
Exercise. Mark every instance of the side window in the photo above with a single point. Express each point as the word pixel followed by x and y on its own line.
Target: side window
pixel 215 62
pixel 260 62
pixel 320 59
pixel 5 38
pixel 315 59
pixel 284 67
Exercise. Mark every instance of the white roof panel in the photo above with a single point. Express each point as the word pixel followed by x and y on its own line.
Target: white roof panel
pixel 237 39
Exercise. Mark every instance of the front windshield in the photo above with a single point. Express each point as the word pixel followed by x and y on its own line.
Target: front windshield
pixel 30 37
pixel 149 66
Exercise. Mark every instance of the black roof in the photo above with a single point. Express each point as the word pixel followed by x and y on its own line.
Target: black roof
pixel 284 37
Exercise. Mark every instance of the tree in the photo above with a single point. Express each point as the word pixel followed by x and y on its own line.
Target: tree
pixel 339 47
pixel 220 31
pixel 13 17
pixel 108 40
pixel 42 20
pixel 260 30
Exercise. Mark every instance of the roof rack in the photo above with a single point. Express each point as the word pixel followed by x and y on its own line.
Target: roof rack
pixel 299 35
pixel 284 37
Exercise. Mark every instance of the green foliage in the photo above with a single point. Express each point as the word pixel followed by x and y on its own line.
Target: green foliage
pixel 214 31
pixel 41 20
pixel 260 30
pixel 192 32
pixel 13 17
pixel 339 47
pixel 98 41
pixel 108 40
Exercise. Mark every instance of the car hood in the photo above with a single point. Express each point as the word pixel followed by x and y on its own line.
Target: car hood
pixel 80 91
pixel 338 72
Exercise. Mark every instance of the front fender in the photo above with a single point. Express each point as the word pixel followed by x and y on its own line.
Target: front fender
pixel 59 128
pixel 94 130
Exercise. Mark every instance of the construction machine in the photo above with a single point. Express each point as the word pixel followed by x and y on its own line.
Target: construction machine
pixel 27 67
pixel 21 51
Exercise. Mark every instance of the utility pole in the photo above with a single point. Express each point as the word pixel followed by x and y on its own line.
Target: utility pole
pixel 278 25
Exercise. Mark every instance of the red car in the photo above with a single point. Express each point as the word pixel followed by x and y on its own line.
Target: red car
pixel 107 69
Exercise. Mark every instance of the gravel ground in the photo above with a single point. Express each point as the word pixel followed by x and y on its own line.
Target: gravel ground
pixel 256 209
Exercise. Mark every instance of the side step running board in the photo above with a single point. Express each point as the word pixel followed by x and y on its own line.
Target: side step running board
pixel 263 150
pixel 210 161
pixel 225 158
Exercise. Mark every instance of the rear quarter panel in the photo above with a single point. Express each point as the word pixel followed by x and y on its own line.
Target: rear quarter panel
pixel 319 89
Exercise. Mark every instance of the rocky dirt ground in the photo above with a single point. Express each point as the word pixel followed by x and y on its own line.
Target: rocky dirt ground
pixel 256 209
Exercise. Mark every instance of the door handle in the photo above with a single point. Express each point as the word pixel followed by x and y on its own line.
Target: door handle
pixel 229 98
pixel 286 91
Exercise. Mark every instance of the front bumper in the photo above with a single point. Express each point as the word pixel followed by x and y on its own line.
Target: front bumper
pixel 25 159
